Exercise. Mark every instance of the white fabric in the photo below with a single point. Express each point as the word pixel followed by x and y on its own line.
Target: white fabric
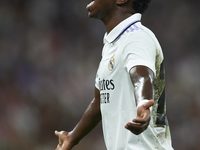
pixel 136 46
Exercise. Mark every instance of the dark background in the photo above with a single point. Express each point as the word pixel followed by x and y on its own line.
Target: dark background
pixel 49 54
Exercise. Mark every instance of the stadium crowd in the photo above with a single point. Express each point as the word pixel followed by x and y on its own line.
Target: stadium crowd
pixel 49 54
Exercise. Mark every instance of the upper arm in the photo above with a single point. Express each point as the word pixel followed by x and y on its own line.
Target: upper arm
pixel 95 104
pixel 97 96
pixel 142 78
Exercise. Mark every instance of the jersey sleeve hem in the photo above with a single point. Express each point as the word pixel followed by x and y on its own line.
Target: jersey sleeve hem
pixel 96 83
pixel 96 86
pixel 141 63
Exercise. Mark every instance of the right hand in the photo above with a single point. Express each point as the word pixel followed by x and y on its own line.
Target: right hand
pixel 142 120
pixel 64 140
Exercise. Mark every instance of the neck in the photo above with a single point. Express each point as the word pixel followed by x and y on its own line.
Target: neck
pixel 120 13
pixel 112 22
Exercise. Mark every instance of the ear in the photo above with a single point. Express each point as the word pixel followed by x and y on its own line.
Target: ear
pixel 121 2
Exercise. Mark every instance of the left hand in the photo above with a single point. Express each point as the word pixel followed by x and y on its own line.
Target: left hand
pixel 142 120
pixel 64 141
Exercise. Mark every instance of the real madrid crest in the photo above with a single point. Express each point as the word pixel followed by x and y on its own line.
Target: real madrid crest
pixel 111 63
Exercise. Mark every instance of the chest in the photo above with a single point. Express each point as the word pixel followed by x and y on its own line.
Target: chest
pixel 111 63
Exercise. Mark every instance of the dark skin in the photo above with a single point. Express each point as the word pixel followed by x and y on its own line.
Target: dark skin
pixel 89 121
pixel 112 12
pixel 142 79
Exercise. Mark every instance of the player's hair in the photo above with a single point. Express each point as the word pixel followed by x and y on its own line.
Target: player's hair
pixel 139 6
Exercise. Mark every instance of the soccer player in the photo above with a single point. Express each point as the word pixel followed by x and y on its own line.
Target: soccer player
pixel 130 83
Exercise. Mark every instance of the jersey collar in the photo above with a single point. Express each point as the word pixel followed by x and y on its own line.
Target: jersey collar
pixel 121 27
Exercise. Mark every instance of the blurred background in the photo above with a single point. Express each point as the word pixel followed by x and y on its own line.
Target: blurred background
pixel 49 55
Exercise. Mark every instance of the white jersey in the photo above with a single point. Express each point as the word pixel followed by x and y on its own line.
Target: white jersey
pixel 130 44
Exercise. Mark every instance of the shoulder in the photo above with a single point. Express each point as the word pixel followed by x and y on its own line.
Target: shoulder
pixel 139 34
pixel 140 30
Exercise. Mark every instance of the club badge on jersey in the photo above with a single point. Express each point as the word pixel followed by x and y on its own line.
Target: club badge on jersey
pixel 111 63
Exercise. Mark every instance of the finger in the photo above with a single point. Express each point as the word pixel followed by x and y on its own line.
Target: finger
pixel 130 125
pixel 148 104
pixel 146 118
pixel 58 147
pixel 136 125
pixel 134 128
pixel 140 122
pixel 57 133
pixel 65 146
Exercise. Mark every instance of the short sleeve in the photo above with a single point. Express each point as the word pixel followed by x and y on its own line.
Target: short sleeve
pixel 140 50
pixel 97 82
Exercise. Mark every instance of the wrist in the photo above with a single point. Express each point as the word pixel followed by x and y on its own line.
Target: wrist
pixel 73 140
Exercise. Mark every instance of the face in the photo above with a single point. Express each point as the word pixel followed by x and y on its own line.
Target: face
pixel 100 8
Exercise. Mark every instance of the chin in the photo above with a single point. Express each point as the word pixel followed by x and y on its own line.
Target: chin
pixel 99 16
pixel 91 15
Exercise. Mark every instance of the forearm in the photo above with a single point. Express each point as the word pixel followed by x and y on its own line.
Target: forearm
pixel 88 122
pixel 143 89
pixel 142 79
